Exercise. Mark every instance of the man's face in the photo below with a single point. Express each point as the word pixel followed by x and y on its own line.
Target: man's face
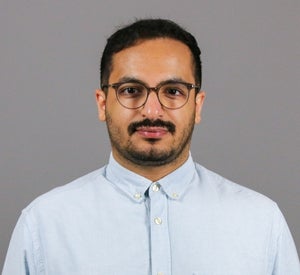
pixel 151 135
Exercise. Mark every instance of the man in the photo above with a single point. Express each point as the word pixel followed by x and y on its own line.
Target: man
pixel 151 210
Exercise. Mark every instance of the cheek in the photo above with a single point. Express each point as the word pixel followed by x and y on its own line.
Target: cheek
pixel 184 117
pixel 116 128
pixel 118 117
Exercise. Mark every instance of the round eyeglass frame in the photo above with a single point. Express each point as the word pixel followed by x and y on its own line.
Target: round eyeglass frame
pixel 156 89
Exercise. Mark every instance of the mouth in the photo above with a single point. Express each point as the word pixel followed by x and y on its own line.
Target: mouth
pixel 151 129
pixel 152 132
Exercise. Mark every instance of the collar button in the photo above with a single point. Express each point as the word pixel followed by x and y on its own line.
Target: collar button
pixel 137 196
pixel 175 196
pixel 155 187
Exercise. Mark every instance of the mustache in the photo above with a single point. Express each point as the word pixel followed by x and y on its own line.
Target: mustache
pixel 151 123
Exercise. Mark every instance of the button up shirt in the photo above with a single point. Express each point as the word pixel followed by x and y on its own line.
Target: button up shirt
pixel 115 222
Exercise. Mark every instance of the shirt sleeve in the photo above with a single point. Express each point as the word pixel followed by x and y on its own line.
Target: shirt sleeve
pixel 286 260
pixel 20 255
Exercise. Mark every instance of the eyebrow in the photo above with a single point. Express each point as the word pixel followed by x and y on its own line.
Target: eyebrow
pixel 136 80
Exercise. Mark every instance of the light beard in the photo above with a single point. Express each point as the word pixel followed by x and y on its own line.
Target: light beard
pixel 153 156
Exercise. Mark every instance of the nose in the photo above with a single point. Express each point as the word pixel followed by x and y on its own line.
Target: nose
pixel 152 108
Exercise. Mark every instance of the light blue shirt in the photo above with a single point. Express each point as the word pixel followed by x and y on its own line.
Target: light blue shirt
pixel 115 222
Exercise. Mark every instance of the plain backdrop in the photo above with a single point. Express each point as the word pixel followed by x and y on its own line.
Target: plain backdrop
pixel 49 70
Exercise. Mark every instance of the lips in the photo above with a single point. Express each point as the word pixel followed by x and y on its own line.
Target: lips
pixel 152 132
pixel 151 129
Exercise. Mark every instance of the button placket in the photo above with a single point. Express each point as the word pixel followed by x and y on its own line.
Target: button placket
pixel 160 239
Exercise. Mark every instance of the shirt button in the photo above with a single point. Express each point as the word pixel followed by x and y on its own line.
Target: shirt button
pixel 158 220
pixel 137 196
pixel 160 273
pixel 175 195
pixel 155 187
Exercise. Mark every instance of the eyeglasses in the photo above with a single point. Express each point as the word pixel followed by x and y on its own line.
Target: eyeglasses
pixel 171 94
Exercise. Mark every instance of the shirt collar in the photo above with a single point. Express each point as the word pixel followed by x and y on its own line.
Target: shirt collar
pixel 174 185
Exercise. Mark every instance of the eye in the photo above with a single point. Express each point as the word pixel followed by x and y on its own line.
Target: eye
pixel 174 91
pixel 130 90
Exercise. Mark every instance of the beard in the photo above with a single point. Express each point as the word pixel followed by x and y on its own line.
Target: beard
pixel 152 154
pixel 151 157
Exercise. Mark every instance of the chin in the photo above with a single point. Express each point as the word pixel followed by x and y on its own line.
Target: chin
pixel 151 157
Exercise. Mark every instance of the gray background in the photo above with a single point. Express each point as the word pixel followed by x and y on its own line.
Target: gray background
pixel 49 57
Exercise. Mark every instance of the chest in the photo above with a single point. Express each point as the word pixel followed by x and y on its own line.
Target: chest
pixel 158 236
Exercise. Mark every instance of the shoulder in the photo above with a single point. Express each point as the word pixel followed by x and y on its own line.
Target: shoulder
pixel 68 193
pixel 236 196
pixel 241 205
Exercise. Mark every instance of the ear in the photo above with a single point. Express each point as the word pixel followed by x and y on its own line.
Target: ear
pixel 101 104
pixel 199 103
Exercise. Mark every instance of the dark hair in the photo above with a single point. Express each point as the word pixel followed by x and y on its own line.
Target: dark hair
pixel 146 29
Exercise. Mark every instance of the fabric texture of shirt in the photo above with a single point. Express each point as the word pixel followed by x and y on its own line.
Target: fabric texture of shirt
pixel 115 222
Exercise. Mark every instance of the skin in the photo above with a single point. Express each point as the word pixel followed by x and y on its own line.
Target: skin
pixel 152 152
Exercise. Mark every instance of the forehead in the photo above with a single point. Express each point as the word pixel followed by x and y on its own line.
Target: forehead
pixel 154 60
